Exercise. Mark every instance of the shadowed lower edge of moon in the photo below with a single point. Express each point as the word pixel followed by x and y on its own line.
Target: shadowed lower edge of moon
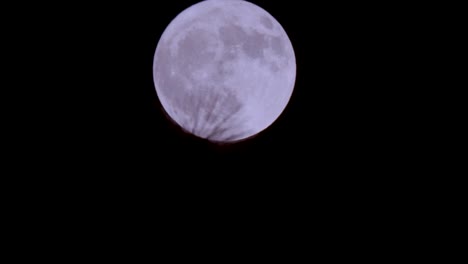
pixel 189 133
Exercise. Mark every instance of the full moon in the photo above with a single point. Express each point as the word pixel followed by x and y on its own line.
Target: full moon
pixel 224 70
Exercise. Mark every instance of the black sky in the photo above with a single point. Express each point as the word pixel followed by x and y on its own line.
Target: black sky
pixel 95 148
pixel 103 115
pixel 328 118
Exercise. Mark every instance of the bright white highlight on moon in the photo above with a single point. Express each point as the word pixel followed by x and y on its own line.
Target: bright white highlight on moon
pixel 224 70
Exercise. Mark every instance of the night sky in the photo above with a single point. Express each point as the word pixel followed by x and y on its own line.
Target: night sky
pixel 107 119
pixel 326 121
pixel 98 152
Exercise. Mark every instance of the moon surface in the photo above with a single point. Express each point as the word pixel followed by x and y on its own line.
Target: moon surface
pixel 224 70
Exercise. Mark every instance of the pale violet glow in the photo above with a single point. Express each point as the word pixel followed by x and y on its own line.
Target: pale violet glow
pixel 224 70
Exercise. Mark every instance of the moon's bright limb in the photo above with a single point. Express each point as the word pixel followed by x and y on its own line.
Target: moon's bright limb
pixel 224 70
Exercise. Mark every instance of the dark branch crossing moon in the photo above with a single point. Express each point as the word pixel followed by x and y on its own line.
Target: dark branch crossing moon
pixel 224 70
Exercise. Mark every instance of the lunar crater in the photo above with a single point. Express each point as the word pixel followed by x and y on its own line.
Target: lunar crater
pixel 196 49
pixel 266 22
pixel 232 35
